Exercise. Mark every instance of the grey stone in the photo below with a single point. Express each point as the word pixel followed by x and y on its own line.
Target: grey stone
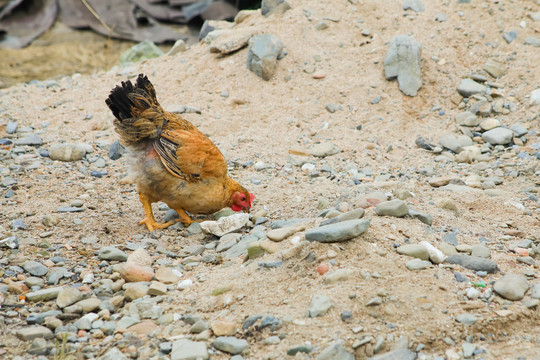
pixel 67 152
pixel 414 250
pixel 40 346
pixel 473 263
pixel 498 136
pixel 350 215
pixel 324 149
pixel 240 248
pixel 425 218
pixel 11 127
pixel 511 287
pixel 335 352
pixel 450 142
pixel 337 275
pixel 509 36
pixel 35 268
pixel 340 231
pixel 466 319
pixel 32 140
pixel 397 208
pixel 319 305
pixel 304 348
pixel 519 130
pixel 33 332
pixel 468 349
pixel 56 274
pixel 227 241
pixel 112 253
pixel 469 87
pixel 398 354
pixel 113 354
pixel 139 52
pixel 417 264
pixel 533 41
pixel 263 53
pixel 467 118
pixel 116 150
pixel 127 321
pixel 43 295
pixel 230 344
pixel 269 7
pixel 451 238
pixel 480 251
pixel 69 209
pixel 403 61
pixel 441 17
pixel 414 5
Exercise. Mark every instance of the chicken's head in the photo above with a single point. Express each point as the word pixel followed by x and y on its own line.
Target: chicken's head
pixel 242 201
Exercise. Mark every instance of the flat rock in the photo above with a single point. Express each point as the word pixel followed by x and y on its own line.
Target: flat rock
pixel 263 53
pixel 494 68
pixel 113 354
pixel 511 287
pixel 185 349
pixel 481 251
pixel 450 142
pixel 340 231
pixel 397 208
pixel 533 41
pixel 349 215
pixel 230 345
pixel 417 264
pixel 467 118
pixel 414 5
pixel 230 40
pixel 324 149
pixel 469 87
pixel 35 268
pixel 141 257
pixel 31 140
pixel 466 319
pixel 134 291
pixel 112 253
pixel 337 275
pixel 225 225
pixel 67 152
pixel 398 354
pixel 43 295
pixel 319 305
pixel 535 293
pixel 283 233
pixel 498 136
pixel 133 272
pixel 414 250
pixel 335 352
pixel 403 61
pixel 68 296
pixel 34 332
pixel 473 263
pixel 166 275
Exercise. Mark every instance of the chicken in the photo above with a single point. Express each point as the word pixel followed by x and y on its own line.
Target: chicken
pixel 170 159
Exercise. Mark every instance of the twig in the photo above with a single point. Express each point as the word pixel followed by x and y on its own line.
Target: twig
pixel 96 15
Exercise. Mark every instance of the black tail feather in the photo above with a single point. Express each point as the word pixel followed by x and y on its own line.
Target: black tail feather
pixel 121 99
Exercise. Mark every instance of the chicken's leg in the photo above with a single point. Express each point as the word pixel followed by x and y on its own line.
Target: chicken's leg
pixel 149 220
pixel 184 217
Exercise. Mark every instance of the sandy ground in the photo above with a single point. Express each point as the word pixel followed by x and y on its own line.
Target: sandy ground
pixel 264 120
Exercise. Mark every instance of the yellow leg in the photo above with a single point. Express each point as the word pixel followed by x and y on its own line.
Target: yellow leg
pixel 184 217
pixel 149 220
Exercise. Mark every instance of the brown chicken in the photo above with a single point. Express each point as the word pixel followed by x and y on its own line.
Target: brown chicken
pixel 170 159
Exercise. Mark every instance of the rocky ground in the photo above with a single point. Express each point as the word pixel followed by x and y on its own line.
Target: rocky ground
pixel 385 225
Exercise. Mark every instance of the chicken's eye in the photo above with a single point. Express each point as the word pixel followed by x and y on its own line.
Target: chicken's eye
pixel 243 198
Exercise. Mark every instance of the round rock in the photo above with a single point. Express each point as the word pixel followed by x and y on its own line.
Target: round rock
pixel 511 287
pixel 498 136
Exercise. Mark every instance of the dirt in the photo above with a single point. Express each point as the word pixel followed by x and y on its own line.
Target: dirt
pixel 263 121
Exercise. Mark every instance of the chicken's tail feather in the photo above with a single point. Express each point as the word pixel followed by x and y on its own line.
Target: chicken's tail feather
pixel 136 109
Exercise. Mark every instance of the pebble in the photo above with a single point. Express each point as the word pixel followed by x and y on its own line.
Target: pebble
pixel 397 208
pixel 498 136
pixel 489 124
pixel 166 275
pixel 414 250
pixel 113 354
pixel 112 253
pixel 39 346
pixel 335 352
pixel 31 140
pixel 350 215
pixel 535 292
pixel 283 233
pixel 494 68
pixel 11 127
pixel 414 5
pixel 535 97
pixel 337 275
pixel 67 152
pixel 70 209
pixel 337 232
pixel 133 272
pixel 466 319
pixel 473 263
pixel 451 238
pixel 225 225
pixel 263 53
pixel 511 287
pixel 157 288
pixel 469 87
pixel 304 348
pixel 135 290
pixel 533 41
pixel 230 345
pixel 417 264
pixel 324 149
pixel 509 36
pixel 481 251
pixel 43 295
pixel 35 268
pixel 436 256
pixel 223 328
pixel 319 305
pixel 402 60
pixel 116 150
pixel 68 296
pixel 140 257
pixel 33 332
pixel 467 118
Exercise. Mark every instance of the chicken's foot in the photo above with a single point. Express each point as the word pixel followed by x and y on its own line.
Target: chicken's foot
pixel 149 220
